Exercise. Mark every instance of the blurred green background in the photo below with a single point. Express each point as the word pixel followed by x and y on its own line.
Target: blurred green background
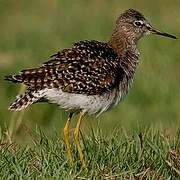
pixel 33 30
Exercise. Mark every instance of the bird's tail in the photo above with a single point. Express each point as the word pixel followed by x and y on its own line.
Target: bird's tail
pixel 24 100
pixel 14 78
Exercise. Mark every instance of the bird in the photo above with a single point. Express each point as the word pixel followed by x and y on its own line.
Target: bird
pixel 91 77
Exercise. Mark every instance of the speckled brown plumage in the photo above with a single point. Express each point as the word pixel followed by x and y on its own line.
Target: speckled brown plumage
pixel 90 67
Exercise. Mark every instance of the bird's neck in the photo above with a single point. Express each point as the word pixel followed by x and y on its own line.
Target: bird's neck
pixel 121 42
pixel 126 48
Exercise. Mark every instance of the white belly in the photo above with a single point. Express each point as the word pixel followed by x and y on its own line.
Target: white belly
pixel 92 104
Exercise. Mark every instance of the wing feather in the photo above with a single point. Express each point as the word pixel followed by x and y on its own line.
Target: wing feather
pixel 90 67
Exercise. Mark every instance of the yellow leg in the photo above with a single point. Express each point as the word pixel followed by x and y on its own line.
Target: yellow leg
pixel 77 140
pixel 66 139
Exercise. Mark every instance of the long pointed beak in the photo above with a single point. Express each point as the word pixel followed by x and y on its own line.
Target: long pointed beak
pixel 154 31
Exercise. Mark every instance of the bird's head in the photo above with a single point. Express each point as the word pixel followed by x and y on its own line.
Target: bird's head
pixel 135 25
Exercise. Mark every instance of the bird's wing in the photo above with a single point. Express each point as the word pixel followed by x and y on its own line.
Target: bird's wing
pixel 89 67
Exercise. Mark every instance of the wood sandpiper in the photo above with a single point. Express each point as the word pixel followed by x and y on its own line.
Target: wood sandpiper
pixel 91 77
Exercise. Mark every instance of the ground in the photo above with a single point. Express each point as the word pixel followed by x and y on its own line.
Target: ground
pixel 148 155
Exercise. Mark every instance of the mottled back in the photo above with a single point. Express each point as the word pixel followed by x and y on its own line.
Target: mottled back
pixel 90 67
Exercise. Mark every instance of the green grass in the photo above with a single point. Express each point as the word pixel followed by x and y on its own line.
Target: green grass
pixel 148 155
pixel 32 31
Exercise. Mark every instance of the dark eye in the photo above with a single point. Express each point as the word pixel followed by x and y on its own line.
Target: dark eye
pixel 138 23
